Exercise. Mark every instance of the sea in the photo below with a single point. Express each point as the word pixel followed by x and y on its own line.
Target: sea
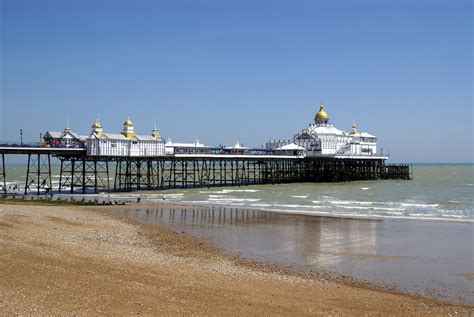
pixel 436 192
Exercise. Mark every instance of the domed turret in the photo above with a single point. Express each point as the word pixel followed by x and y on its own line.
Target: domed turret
pixel 97 127
pixel 154 133
pixel 128 122
pixel 354 129
pixel 128 128
pixel 321 116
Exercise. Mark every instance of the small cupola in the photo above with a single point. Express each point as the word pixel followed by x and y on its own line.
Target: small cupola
pixel 354 130
pixel 128 128
pixel 97 127
pixel 154 131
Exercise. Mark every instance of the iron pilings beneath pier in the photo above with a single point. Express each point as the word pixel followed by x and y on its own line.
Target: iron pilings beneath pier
pixel 83 173
pixel 170 172
pixel 91 174
pixel 3 175
pixel 38 173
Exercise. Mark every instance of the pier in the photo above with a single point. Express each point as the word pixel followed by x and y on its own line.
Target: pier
pixel 83 173
pixel 104 162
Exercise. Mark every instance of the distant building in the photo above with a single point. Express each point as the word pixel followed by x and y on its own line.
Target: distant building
pixel 66 138
pixel 237 148
pixel 324 139
pixel 127 143
pixel 186 148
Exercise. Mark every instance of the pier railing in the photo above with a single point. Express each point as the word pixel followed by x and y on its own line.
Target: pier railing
pixel 22 144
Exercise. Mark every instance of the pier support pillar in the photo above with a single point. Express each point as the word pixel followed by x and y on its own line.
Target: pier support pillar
pixel 77 172
pixel 38 173
pixel 3 175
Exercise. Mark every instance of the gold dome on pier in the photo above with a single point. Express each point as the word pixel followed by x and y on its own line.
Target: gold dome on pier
pixel 321 114
pixel 97 127
pixel 128 122
pixel 154 133
pixel 96 124
pixel 354 129
pixel 128 128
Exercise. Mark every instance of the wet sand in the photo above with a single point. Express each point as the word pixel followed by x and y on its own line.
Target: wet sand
pixel 83 260
pixel 428 258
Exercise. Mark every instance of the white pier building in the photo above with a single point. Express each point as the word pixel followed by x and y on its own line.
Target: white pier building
pixel 127 143
pixel 323 139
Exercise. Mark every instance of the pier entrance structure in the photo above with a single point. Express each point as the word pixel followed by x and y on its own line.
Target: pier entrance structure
pixel 127 161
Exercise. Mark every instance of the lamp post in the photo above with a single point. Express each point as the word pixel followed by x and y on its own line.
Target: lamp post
pixel 21 137
pixel 41 137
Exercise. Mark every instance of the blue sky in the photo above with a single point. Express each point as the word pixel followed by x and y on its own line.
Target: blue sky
pixel 251 71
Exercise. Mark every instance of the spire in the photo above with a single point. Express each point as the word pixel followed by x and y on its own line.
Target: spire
pixel 354 128
pixel 67 128
pixel 154 131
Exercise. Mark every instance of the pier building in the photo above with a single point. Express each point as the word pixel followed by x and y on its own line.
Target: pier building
pixel 126 143
pixel 64 139
pixel 195 147
pixel 322 138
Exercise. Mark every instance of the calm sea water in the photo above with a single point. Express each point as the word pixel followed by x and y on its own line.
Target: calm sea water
pixel 436 192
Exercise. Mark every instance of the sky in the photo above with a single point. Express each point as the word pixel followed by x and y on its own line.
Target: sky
pixel 252 71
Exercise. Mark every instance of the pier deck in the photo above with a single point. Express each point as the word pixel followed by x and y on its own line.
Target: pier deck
pixel 80 172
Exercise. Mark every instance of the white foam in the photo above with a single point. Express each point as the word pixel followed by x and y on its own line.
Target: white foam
pixel 13 183
pixel 371 208
pixel 233 199
pixel 350 202
pixel 297 196
pixel 227 191
pixel 173 195
pixel 365 188
pixel 418 205
pixel 297 206
pixel 240 190
pixel 260 205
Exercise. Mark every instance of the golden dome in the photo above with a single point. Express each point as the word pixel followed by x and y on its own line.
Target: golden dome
pixel 96 125
pixel 321 114
pixel 354 129
pixel 128 122
pixel 154 133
